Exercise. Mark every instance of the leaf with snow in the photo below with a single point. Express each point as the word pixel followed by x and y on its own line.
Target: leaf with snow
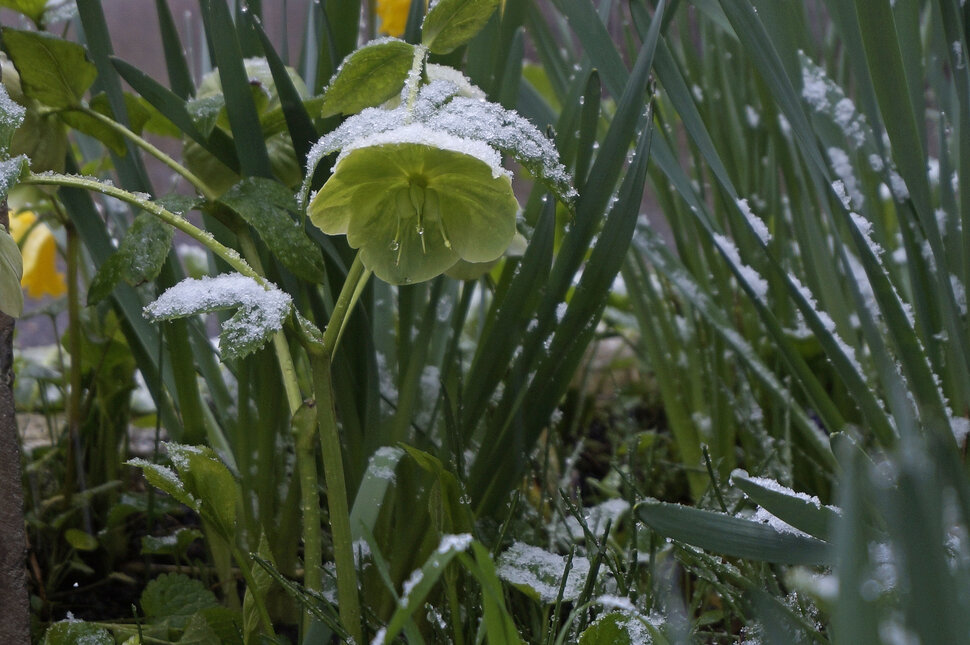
pixel 621 628
pixel 421 581
pixel 11 116
pixel 77 632
pixel 166 480
pixel 269 207
pixel 368 77
pixel 451 105
pixel 261 311
pixel 139 257
pixel 11 170
pixel 538 573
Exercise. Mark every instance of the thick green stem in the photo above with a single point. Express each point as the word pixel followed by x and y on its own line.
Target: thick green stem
pixel 414 78
pixel 304 424
pixel 321 355
pixel 144 202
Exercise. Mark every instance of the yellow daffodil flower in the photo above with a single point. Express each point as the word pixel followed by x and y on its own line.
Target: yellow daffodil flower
pixel 39 249
pixel 393 15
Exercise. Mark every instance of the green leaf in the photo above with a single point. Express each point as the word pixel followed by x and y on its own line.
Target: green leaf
pixel 449 514
pixel 261 311
pixel 269 207
pixel 11 272
pixel 371 75
pixel 207 479
pixel 11 117
pixel 199 632
pixel 731 536
pixel 174 544
pixel 415 209
pixel 617 628
pixel 53 71
pixel 139 258
pixel 80 540
pixel 166 480
pixel 793 508
pixel 174 597
pixel 72 632
pixel 373 487
pixel 33 9
pixel 452 23
pixel 423 580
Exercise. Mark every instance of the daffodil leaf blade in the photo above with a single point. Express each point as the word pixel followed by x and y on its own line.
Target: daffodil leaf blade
pixel 371 75
pixel 415 209
pixel 269 207
pixel 139 257
pixel 52 70
pixel 11 271
pixel 452 23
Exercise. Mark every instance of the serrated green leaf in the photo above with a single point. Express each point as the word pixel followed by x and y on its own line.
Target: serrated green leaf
pixel 53 71
pixel 80 540
pixel 174 597
pixel 199 632
pixel 139 258
pixel 208 479
pixel 11 272
pixel 33 9
pixel 452 23
pixel 72 632
pixel 270 208
pixel 261 311
pixel 371 75
pixel 11 170
pixel 11 117
pixel 166 480
pixel 731 536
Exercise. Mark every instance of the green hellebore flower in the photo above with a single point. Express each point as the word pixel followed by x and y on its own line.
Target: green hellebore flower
pixel 416 201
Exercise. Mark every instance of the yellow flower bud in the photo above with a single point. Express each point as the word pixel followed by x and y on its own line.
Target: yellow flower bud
pixel 394 16
pixel 39 250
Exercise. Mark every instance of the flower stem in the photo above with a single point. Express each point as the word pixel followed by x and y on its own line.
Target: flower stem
pixel 414 78
pixel 148 147
pixel 321 354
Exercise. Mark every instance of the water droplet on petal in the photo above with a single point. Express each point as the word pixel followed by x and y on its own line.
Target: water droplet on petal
pixel 395 245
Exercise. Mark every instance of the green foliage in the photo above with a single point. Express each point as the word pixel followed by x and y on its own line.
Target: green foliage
pixel 270 209
pixel 173 598
pixel 371 75
pixel 139 258
pixel 452 23
pixel 70 632
pixel 53 71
